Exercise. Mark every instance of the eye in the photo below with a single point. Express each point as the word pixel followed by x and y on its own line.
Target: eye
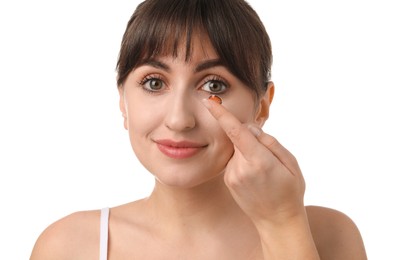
pixel 152 83
pixel 215 86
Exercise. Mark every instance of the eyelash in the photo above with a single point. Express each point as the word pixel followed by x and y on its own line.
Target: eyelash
pixel 149 78
pixel 216 79
pixel 208 79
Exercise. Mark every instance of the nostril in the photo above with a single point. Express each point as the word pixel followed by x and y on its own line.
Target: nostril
pixel 180 115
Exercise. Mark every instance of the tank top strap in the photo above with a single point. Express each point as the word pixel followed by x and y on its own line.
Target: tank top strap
pixel 103 237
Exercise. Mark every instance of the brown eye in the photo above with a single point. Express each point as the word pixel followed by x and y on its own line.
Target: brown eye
pixel 155 84
pixel 152 84
pixel 214 86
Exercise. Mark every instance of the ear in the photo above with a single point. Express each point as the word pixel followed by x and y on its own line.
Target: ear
pixel 263 109
pixel 122 105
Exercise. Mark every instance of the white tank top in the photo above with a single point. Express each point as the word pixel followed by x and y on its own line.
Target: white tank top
pixel 103 234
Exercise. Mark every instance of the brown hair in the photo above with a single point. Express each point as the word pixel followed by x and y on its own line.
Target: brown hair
pixel 233 27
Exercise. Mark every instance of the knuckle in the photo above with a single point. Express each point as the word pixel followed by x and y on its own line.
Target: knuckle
pixel 232 181
pixel 219 113
pixel 261 167
pixel 245 176
pixel 272 141
pixel 236 179
pixel 262 164
pixel 234 133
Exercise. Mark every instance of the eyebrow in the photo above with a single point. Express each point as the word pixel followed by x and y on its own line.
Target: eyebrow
pixel 208 64
pixel 156 64
pixel 200 67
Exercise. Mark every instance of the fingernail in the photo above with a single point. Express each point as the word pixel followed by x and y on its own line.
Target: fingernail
pixel 255 130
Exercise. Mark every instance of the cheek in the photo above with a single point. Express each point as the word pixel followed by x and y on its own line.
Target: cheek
pixel 141 120
pixel 225 149
pixel 222 145
pixel 243 110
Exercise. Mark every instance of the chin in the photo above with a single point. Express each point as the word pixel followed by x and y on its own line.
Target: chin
pixel 181 179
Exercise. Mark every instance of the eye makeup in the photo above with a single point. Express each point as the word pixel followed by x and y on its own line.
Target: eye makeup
pixel 215 98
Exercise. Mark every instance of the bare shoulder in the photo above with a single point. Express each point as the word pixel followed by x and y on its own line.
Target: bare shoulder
pixel 73 237
pixel 335 234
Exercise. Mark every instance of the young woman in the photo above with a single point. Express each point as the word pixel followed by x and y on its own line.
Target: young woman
pixel 224 189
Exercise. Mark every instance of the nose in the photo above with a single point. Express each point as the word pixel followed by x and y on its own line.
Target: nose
pixel 180 113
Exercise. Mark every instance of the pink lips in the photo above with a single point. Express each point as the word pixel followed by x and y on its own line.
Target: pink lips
pixel 179 150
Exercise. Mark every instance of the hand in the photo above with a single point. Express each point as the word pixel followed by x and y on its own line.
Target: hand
pixel 263 177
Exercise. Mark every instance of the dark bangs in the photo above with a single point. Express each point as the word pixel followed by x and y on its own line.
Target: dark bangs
pixel 158 27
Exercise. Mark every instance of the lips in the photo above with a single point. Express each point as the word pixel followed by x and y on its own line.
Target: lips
pixel 179 149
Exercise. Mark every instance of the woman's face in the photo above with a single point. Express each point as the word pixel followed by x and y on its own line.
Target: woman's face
pixel 171 132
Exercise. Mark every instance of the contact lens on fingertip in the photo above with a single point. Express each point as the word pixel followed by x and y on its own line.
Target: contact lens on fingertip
pixel 215 98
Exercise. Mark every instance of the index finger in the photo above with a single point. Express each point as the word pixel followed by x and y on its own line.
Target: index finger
pixel 237 132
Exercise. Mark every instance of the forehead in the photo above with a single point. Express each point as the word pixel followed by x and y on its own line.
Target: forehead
pixel 200 48
pixel 195 48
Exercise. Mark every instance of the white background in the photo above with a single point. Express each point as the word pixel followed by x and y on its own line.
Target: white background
pixel 338 108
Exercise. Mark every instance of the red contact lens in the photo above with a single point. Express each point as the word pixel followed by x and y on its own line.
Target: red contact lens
pixel 215 98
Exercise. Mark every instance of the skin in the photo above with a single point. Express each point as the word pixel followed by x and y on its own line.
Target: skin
pixel 239 197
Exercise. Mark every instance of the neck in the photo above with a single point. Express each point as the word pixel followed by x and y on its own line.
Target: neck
pixel 204 207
